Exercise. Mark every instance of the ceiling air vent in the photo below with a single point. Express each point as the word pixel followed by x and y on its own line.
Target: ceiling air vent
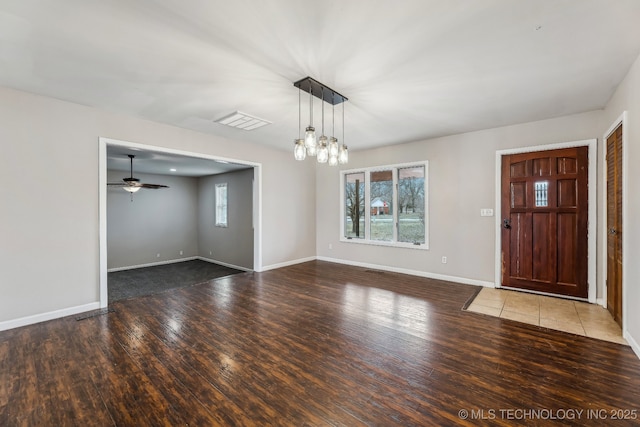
pixel 242 120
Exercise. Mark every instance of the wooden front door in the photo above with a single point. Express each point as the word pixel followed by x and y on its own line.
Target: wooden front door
pixel 544 226
pixel 614 224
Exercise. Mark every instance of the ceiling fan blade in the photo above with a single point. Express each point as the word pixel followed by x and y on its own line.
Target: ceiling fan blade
pixel 127 182
pixel 131 182
pixel 153 186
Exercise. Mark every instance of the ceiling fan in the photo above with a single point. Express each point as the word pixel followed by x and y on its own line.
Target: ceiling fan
pixel 132 184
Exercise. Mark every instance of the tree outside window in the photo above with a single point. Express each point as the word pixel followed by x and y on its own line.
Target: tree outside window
pixel 411 227
pixel 354 205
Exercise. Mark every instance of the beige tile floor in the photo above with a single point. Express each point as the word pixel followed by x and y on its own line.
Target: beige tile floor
pixel 575 317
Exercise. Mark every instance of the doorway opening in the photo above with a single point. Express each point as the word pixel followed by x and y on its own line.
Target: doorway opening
pixel 193 190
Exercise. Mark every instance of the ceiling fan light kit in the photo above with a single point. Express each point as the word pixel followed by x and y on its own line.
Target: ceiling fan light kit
pixel 326 150
pixel 131 184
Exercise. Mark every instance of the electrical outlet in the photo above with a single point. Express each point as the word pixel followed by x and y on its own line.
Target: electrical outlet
pixel 180 252
pixel 330 246
pixel 157 255
pixel 444 259
pixel 209 252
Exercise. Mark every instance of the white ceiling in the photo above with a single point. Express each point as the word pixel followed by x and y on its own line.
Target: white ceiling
pixel 412 69
pixel 162 163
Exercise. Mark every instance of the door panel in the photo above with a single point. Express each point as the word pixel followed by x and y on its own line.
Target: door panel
pixel 567 259
pixel 542 167
pixel 614 224
pixel 567 193
pixel 544 238
pixel 519 194
pixel 541 250
pixel 567 165
pixel 519 169
pixel 520 243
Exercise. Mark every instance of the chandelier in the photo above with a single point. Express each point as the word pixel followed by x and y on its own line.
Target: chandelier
pixel 325 149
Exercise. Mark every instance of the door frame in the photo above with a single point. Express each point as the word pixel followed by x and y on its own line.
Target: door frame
pixel 592 211
pixel 621 120
pixel 102 208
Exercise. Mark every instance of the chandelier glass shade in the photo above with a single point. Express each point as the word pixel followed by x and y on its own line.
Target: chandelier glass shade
pixel 343 155
pixel 333 147
pixel 310 141
pixel 333 160
pixel 299 147
pixel 325 149
pixel 299 150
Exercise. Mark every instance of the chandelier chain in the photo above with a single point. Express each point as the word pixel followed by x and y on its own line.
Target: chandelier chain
pixel 299 114
pixel 322 112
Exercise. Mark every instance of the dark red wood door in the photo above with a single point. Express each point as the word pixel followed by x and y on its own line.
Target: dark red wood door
pixel 544 227
pixel 614 224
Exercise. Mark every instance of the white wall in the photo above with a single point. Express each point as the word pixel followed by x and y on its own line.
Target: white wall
pixel 233 244
pixel 461 182
pixel 49 230
pixel 162 221
pixel 627 98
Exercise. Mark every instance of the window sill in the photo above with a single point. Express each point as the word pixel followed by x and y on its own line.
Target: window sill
pixel 422 246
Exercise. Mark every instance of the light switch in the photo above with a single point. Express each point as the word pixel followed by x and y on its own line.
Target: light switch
pixel 486 212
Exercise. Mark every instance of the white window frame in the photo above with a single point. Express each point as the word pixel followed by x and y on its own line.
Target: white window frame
pixel 367 206
pixel 222 220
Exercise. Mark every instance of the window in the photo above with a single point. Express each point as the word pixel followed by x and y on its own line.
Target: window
pixel 221 205
pixel 386 206
pixel 411 204
pixel 541 189
pixel 353 219
pixel 381 199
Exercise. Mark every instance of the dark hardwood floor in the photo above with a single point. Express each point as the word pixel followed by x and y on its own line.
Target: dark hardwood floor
pixel 143 281
pixel 312 344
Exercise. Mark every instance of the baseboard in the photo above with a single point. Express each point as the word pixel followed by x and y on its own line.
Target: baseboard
pixel 288 263
pixel 152 264
pixel 225 264
pixel 633 343
pixel 43 317
pixel 428 275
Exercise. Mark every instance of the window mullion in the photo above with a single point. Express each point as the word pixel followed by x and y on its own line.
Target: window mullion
pixel 367 206
pixel 395 205
pixel 426 216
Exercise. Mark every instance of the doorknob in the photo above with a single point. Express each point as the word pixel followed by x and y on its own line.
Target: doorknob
pixel 506 223
pixel 613 231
